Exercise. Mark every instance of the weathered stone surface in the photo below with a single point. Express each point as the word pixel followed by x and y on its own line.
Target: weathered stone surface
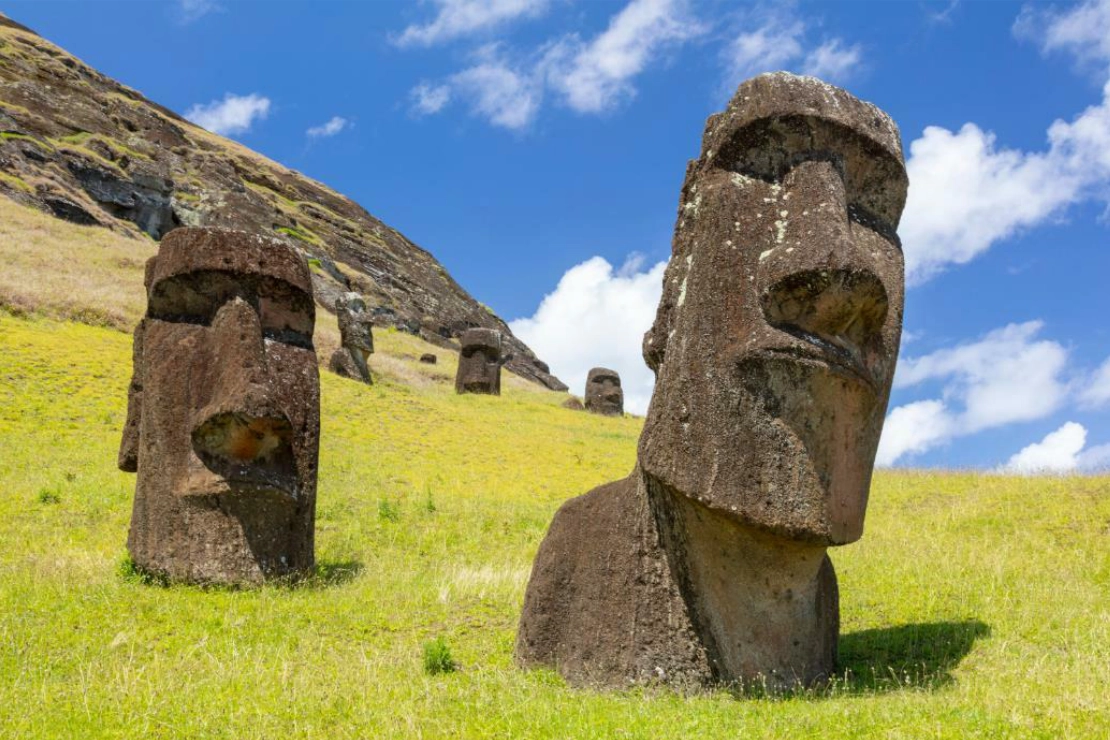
pixel 774 347
pixel 90 150
pixel 356 337
pixel 428 358
pixel 223 418
pixel 573 404
pixel 603 392
pixel 480 362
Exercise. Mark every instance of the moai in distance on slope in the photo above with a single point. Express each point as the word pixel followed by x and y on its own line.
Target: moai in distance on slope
pixel 774 347
pixel 603 392
pixel 223 417
pixel 356 339
pixel 480 362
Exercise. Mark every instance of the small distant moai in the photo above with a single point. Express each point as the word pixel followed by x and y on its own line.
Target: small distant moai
pixel 428 358
pixel 356 339
pixel 480 362
pixel 774 347
pixel 223 413
pixel 603 392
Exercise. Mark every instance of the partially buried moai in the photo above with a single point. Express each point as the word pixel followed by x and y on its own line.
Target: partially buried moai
pixel 223 418
pixel 480 362
pixel 603 392
pixel 774 347
pixel 356 338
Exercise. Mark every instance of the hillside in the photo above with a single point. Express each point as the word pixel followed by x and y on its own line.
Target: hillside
pixel 974 606
pixel 84 148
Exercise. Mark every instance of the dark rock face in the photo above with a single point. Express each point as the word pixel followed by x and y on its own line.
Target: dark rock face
pixel 774 347
pixel 428 358
pixel 603 392
pixel 223 420
pixel 480 362
pixel 87 149
pixel 357 339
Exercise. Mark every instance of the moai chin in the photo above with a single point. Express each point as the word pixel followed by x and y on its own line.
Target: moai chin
pixel 480 362
pixel 223 418
pixel 356 339
pixel 774 347
pixel 603 392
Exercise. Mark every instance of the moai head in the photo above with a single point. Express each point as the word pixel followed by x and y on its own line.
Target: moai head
pixel 603 392
pixel 355 323
pixel 776 336
pixel 480 362
pixel 224 414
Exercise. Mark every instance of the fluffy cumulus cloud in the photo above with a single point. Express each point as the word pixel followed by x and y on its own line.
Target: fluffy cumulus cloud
pixel 458 18
pixel 1058 452
pixel 235 114
pixel 588 76
pixel 1008 376
pixel 770 40
pixel 596 316
pixel 968 193
pixel 332 127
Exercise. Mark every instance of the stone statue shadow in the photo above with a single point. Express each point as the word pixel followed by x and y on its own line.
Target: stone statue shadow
pixel 328 574
pixel 908 656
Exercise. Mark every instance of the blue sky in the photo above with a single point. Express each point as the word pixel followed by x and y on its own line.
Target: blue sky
pixel 537 147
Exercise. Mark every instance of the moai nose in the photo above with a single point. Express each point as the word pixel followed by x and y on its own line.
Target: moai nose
pixel 819 281
pixel 241 424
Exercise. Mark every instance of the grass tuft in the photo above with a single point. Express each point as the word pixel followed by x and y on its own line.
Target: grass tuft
pixel 437 657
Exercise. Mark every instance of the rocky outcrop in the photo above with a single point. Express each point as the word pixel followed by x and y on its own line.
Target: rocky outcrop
pixel 87 149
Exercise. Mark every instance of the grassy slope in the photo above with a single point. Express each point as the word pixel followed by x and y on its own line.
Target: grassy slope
pixel 975 606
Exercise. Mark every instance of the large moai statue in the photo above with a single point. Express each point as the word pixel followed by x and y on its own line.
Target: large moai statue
pixel 356 338
pixel 223 418
pixel 774 347
pixel 480 362
pixel 603 392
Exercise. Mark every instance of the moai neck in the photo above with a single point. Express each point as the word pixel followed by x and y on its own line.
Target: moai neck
pixel 765 607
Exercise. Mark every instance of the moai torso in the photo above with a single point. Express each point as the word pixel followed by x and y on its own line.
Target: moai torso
pixel 480 362
pixel 774 347
pixel 356 338
pixel 603 392
pixel 224 411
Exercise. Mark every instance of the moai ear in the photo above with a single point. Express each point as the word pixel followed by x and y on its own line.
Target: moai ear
pixel 129 445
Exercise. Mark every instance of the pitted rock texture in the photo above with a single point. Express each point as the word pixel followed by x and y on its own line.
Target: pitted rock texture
pixel 223 417
pixel 603 392
pixel 774 347
pixel 87 149
pixel 480 363
pixel 356 339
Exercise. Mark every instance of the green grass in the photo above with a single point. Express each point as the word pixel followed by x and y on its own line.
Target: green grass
pixel 975 606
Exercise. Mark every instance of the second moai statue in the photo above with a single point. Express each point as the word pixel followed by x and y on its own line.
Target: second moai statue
pixel 223 417
pixel 480 362
pixel 356 339
pixel 773 348
pixel 603 392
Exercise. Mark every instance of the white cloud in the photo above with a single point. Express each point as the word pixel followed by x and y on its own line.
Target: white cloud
pixel 1006 377
pixel 189 11
pixel 429 99
pixel 235 114
pixel 967 193
pixel 1096 391
pixel 776 39
pixel 458 18
pixel 596 316
pixel 597 76
pixel 1058 452
pixel 331 128
pixel 504 96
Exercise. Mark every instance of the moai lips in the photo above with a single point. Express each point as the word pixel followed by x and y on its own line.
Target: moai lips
pixel 603 392
pixel 224 411
pixel 480 362
pixel 774 347
pixel 357 338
